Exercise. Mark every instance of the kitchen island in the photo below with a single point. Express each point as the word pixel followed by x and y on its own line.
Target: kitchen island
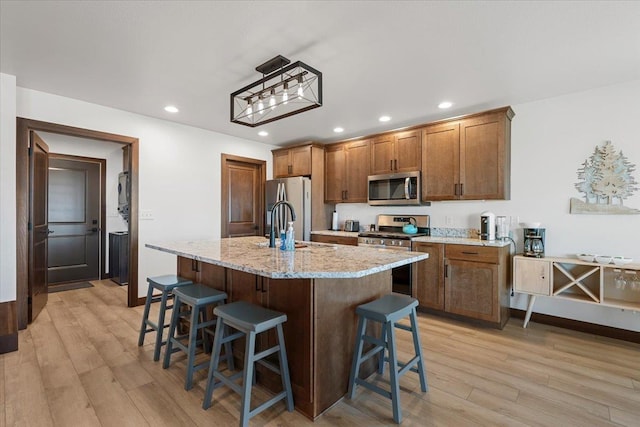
pixel 318 286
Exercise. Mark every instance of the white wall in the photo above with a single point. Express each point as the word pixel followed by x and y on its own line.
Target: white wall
pixel 109 151
pixel 550 139
pixel 7 188
pixel 179 181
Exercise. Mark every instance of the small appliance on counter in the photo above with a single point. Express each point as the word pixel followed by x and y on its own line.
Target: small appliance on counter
pixel 534 242
pixel 351 225
pixel 487 226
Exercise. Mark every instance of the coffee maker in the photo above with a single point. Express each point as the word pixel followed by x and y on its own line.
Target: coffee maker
pixel 534 242
pixel 487 226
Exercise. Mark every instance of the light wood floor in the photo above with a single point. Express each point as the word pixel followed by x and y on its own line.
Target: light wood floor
pixel 79 364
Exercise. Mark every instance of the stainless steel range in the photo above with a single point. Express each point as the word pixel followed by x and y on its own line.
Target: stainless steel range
pixel 389 235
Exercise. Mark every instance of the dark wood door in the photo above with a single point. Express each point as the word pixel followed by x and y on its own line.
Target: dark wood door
pixel 243 182
pixel 471 289
pixel 38 225
pixel 335 183
pixel 357 170
pixel 74 219
pixel 428 276
pixel 441 162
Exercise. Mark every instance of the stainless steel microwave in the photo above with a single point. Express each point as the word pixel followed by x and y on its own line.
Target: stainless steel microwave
pixel 394 189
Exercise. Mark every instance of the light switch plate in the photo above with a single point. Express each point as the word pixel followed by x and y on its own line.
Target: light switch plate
pixel 146 215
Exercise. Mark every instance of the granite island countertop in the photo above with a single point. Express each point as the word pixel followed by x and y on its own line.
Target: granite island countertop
pixel 314 260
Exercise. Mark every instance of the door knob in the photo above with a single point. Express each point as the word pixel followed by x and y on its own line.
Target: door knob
pixel 94 229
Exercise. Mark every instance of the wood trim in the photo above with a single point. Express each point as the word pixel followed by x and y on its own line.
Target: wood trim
pixel 298 144
pixel 577 325
pixel 103 203
pixel 8 326
pixel 224 185
pixel 502 110
pixel 23 127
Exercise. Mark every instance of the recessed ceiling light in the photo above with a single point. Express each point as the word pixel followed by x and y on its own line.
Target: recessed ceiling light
pixel 384 118
pixel 263 133
pixel 445 104
pixel 338 129
pixel 171 109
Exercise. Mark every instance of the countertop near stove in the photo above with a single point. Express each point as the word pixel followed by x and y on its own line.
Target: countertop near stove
pixel 336 233
pixel 314 260
pixel 462 241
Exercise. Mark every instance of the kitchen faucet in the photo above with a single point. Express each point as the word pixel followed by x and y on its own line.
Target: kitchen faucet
pixel 272 237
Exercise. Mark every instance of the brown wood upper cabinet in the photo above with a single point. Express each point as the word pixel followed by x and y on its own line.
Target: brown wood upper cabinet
pixel 397 152
pixel 295 161
pixel 468 159
pixel 347 169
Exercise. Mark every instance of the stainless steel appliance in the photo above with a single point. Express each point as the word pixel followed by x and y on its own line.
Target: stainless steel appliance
pixel 296 191
pixel 394 189
pixel 389 235
pixel 351 225
pixel 487 226
pixel 534 242
pixel 124 194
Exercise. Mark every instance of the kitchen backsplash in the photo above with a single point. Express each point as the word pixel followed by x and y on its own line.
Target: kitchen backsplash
pixel 467 233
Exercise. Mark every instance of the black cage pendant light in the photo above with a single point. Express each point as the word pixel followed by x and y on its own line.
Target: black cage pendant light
pixel 284 90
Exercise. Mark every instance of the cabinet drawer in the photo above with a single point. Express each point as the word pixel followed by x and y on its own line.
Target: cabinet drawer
pixel 473 253
pixel 336 240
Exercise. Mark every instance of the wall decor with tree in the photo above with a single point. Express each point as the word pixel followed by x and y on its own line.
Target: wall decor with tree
pixel 606 180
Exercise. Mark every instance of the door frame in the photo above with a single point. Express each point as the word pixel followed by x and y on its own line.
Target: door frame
pixel 23 127
pixel 224 217
pixel 103 201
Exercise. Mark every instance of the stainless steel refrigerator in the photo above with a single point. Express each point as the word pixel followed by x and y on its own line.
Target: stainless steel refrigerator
pixel 296 191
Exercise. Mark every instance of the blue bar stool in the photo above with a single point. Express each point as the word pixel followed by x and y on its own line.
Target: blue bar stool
pixel 198 297
pixel 387 310
pixel 164 284
pixel 248 320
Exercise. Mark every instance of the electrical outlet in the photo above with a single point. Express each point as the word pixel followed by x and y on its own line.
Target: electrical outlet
pixel 146 215
pixel 448 221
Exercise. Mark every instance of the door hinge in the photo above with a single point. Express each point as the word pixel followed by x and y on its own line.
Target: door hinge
pixel 29 226
pixel 30 150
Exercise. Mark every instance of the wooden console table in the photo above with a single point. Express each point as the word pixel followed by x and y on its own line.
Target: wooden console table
pixel 607 285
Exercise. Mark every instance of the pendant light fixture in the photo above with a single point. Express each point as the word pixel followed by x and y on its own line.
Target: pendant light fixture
pixel 277 74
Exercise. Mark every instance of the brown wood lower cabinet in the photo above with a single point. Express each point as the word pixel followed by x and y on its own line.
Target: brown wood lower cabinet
pixel 319 332
pixel 465 280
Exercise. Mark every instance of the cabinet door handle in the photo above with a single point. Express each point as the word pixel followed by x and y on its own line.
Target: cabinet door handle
pixel 391 164
pixel 396 164
pixel 346 194
pixel 446 271
pixel 471 253
pixel 262 286
pixel 455 189
pixel 461 189
pixel 257 288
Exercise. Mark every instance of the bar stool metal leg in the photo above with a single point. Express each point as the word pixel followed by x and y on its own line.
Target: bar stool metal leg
pixel 145 316
pixel 161 325
pixel 247 380
pixel 357 356
pixel 422 373
pixel 284 369
pixel 393 371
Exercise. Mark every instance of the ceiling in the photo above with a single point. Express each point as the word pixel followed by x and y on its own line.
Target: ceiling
pixel 383 57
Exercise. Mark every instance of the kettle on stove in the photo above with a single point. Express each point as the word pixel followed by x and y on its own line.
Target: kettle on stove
pixel 410 228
